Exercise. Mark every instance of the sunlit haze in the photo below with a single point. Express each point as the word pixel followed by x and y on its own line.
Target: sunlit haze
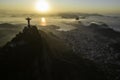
pixel 53 6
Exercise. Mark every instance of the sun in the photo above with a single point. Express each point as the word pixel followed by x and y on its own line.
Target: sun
pixel 42 6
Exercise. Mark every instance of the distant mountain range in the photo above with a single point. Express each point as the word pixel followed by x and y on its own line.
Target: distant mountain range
pixel 18 14
pixel 74 15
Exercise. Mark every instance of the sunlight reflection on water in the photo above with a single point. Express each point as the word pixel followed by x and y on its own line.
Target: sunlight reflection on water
pixel 43 21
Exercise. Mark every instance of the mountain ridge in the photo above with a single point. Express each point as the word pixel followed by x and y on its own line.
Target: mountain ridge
pixel 36 55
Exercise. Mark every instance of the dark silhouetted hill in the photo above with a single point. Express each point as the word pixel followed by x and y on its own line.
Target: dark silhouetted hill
pixel 7 25
pixel 39 55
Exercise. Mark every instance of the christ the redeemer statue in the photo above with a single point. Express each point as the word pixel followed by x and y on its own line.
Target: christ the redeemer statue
pixel 28 20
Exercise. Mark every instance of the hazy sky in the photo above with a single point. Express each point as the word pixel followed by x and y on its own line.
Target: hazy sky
pixel 90 6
